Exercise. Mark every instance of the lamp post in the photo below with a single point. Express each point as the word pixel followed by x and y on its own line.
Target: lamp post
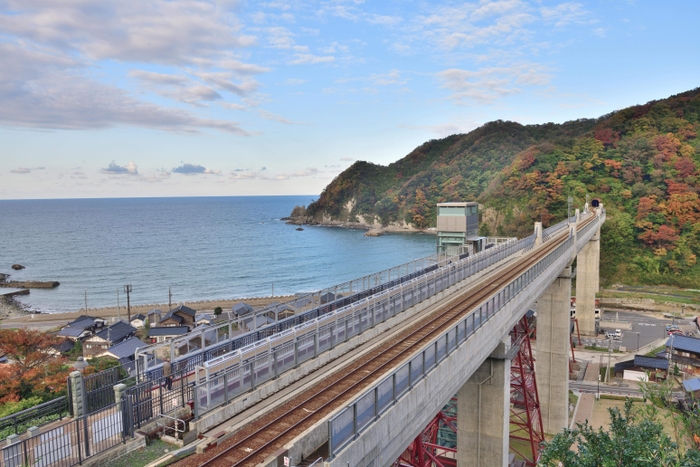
pixel 127 289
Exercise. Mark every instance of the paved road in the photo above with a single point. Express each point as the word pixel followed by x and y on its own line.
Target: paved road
pixel 592 388
pixel 645 329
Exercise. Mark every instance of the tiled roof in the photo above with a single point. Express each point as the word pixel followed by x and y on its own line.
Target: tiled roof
pixel 64 346
pixel 692 384
pixel 685 344
pixel 650 362
pixel 82 322
pixel 242 308
pixel 139 316
pixel 621 366
pixel 70 332
pixel 117 331
pixel 184 309
pixel 167 331
pixel 126 348
pixel 171 315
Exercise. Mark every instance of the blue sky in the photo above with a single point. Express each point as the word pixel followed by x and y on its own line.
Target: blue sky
pixel 177 98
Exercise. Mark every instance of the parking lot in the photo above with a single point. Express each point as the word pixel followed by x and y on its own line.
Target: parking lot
pixel 646 328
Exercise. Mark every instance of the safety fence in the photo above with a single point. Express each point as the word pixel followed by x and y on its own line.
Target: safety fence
pixel 221 379
pixel 99 387
pixel 150 399
pixel 210 343
pixel 34 416
pixel 72 442
pixel 347 424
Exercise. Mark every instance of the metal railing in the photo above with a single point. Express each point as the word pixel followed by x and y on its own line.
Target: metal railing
pixel 347 424
pixel 34 416
pixel 99 387
pixel 223 378
pixel 72 442
pixel 150 399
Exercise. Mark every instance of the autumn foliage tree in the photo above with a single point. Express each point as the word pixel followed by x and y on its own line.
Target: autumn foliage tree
pixel 33 371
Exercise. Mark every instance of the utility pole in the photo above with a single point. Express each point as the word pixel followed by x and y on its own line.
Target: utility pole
pixel 607 370
pixel 86 302
pixel 273 289
pixel 170 299
pixel 119 310
pixel 127 289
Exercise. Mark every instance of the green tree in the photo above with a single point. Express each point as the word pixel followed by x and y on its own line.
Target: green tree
pixel 218 311
pixel 631 441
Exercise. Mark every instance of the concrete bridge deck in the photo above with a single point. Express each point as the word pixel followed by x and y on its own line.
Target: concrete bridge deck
pixel 380 443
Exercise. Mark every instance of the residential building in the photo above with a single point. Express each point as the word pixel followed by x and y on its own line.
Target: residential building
pixel 106 338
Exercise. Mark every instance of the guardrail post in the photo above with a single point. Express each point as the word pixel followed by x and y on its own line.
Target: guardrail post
pixel 77 394
pixel 330 438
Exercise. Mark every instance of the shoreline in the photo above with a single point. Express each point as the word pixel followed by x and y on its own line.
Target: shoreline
pixel 391 228
pixel 15 315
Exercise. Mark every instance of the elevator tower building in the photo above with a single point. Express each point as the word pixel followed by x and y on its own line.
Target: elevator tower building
pixel 458 225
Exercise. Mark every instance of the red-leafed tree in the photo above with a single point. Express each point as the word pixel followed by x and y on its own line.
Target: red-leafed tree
pixel 33 369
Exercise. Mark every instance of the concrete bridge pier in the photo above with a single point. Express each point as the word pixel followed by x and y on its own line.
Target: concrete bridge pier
pixel 588 260
pixel 483 414
pixel 552 363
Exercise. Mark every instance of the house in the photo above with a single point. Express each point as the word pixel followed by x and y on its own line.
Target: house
pixel 103 340
pixel 180 316
pixel 153 316
pixel 279 311
pixel 242 309
pixel 253 321
pixel 692 386
pixel 62 348
pixel 685 352
pixel 81 327
pixel 139 321
pixel 125 351
pixel 163 333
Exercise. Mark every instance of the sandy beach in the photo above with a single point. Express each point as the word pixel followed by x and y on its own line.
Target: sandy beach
pixel 14 316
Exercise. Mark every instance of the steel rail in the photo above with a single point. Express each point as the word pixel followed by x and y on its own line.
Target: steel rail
pixel 449 314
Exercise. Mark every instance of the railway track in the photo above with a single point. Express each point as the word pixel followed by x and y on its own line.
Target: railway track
pixel 262 437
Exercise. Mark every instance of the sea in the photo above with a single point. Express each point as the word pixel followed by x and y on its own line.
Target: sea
pixel 202 248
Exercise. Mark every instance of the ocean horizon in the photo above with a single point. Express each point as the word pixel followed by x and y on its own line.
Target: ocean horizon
pixel 202 247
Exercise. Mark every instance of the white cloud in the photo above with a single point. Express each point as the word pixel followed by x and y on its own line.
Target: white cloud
pixel 565 13
pixel 153 31
pixel 489 84
pixel 310 59
pixel 194 169
pixel 295 81
pixel 52 71
pixel 233 106
pixel 278 118
pixel 21 170
pixel 159 78
pixel 113 169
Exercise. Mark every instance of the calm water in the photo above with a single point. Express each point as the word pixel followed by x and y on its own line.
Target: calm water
pixel 204 248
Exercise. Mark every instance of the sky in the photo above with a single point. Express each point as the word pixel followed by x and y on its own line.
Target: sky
pixel 135 98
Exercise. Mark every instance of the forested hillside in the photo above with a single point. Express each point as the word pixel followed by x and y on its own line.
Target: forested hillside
pixel 642 162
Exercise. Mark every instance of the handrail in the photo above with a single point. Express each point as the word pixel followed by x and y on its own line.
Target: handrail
pixel 175 429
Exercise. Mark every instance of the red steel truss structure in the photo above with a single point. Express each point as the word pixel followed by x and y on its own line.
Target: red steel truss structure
pixel 424 451
pixel 525 415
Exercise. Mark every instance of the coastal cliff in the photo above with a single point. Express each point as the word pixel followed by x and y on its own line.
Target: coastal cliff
pixel 641 162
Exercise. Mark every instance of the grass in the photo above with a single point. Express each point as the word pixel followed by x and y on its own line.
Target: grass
pixel 143 456
pixel 600 349
pixel 658 294
pixel 655 351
